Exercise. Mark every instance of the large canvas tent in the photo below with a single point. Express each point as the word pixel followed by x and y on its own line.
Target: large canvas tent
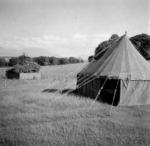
pixel 121 76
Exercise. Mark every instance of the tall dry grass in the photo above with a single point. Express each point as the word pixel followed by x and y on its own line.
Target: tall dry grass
pixel 29 116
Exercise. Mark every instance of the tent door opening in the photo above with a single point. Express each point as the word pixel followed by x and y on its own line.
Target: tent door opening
pixel 108 91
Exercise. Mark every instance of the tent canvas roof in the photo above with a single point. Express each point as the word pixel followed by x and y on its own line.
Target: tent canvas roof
pixel 121 60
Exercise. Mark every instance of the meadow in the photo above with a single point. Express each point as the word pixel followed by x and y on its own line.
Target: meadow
pixel 36 113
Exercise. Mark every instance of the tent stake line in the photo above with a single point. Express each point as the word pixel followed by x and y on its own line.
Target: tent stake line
pixel 99 92
pixel 95 56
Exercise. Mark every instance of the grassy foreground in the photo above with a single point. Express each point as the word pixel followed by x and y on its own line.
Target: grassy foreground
pixel 31 117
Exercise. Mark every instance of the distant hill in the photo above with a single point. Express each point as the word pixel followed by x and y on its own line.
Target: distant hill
pixel 35 52
pixel 9 52
pixel 31 52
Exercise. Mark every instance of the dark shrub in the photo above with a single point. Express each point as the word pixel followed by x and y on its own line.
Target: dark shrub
pixel 13 61
pixel 29 67
pixel 142 44
pixel 90 58
pixel 63 61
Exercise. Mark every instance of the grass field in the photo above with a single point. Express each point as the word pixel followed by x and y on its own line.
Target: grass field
pixel 31 117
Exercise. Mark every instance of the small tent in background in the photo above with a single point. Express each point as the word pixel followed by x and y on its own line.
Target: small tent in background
pixel 121 76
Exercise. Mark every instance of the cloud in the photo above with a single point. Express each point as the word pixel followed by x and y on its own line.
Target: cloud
pixel 63 46
pixel 80 36
pixel 87 36
pixel 149 26
pixel 46 41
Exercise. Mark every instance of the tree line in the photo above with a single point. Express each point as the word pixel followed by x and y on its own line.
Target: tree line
pixel 42 60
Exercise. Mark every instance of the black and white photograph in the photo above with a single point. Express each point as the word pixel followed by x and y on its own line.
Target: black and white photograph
pixel 74 73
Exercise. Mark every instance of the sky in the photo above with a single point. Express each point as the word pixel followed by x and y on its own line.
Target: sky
pixel 69 27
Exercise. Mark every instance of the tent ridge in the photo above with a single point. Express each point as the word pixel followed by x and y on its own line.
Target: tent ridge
pixel 128 68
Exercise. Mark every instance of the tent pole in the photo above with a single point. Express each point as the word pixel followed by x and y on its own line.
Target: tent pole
pixel 114 96
pixel 98 93
pixel 138 104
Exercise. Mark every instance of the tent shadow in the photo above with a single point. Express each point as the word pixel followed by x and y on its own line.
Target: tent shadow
pixel 50 90
pixel 63 91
